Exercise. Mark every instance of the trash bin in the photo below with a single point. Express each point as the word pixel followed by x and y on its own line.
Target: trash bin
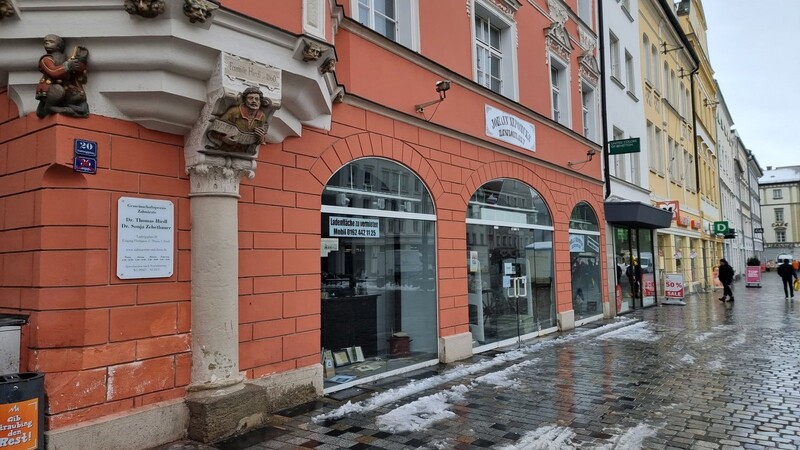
pixel 9 341
pixel 22 411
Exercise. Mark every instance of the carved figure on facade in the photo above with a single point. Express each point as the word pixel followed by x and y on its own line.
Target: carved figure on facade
pixel 60 90
pixel 327 65
pixel 242 127
pixel 199 10
pixel 6 9
pixel 145 8
pixel 312 51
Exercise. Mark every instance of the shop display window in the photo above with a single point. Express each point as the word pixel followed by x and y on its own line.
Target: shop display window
pixel 378 269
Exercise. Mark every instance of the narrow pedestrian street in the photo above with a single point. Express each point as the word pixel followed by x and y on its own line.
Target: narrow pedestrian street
pixel 708 375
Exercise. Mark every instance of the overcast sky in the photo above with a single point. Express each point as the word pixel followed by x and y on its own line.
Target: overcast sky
pixel 751 49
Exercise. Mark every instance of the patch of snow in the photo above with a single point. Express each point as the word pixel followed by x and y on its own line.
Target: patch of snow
pixel 715 364
pixel 503 378
pixel 423 412
pixel 638 332
pixel 464 371
pixel 549 437
pixel 688 359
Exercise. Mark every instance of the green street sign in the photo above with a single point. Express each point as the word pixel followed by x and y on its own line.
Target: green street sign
pixel 721 227
pixel 622 146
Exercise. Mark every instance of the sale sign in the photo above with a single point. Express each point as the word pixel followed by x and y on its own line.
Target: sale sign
pixel 673 285
pixel 648 285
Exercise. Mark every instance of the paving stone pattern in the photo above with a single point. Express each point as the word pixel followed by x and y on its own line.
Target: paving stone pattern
pixel 708 375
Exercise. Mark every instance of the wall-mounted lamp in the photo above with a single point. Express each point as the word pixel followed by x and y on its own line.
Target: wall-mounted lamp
pixel 441 87
pixel 708 103
pixel 665 50
pixel 589 154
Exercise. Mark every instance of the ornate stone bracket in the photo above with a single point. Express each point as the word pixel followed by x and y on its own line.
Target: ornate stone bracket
pixel 214 169
pixel 145 8
pixel 199 10
pixel 7 9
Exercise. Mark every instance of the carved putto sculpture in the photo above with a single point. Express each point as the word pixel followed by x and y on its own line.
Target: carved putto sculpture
pixel 199 10
pixel 145 8
pixel 243 127
pixel 60 90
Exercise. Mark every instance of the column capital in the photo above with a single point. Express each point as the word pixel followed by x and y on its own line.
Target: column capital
pixel 212 175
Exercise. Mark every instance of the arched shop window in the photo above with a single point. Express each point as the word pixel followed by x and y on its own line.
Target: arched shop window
pixel 509 263
pixel 584 258
pixel 378 266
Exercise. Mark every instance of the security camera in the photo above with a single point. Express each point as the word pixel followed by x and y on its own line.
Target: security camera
pixel 442 86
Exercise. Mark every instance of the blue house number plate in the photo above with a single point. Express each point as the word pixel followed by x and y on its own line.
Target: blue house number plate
pixel 85 148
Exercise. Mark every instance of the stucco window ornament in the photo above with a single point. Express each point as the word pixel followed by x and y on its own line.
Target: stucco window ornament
pixel 60 90
pixel 6 9
pixel 242 128
pixel 145 8
pixel 199 10
pixel 509 7
pixel 557 40
pixel 558 12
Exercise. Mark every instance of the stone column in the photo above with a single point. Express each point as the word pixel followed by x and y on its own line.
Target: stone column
pixel 215 273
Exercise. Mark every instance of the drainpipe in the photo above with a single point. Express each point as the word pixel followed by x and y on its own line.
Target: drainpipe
pixel 603 108
pixel 697 165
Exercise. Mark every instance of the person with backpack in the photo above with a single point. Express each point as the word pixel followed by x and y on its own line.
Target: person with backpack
pixel 726 278
pixel 787 274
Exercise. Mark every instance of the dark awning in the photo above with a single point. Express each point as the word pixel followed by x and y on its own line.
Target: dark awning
pixel 637 215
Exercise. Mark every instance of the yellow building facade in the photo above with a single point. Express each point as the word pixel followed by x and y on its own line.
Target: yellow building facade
pixel 678 176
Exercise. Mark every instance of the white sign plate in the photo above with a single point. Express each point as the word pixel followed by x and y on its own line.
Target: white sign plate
pixel 354 227
pixel 145 238
pixel 509 128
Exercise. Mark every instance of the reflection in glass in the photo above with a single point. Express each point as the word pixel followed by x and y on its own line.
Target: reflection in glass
pixel 510 263
pixel 379 309
pixel 584 248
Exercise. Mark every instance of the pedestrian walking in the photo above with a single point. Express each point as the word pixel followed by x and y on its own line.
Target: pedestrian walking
pixel 787 274
pixel 726 278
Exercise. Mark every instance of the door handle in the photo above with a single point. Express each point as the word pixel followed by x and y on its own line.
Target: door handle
pixel 524 284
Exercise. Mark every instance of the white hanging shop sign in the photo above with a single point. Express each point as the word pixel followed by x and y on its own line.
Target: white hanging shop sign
pixel 510 128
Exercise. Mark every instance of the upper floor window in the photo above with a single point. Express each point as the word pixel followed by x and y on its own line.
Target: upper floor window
pixel 778 214
pixel 397 20
pixel 494 51
pixel 630 80
pixel 654 62
pixel 559 88
pixel 777 194
pixel 780 235
pixel 648 69
pixel 616 69
pixel 589 111
pixel 585 12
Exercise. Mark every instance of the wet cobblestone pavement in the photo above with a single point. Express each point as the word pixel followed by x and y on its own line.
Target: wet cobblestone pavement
pixel 708 375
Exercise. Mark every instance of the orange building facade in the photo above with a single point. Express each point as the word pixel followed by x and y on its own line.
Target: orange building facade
pixel 427 191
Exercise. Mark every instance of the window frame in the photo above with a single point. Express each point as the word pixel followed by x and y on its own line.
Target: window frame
pixel 562 70
pixel 406 20
pixel 508 48
pixel 777 194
